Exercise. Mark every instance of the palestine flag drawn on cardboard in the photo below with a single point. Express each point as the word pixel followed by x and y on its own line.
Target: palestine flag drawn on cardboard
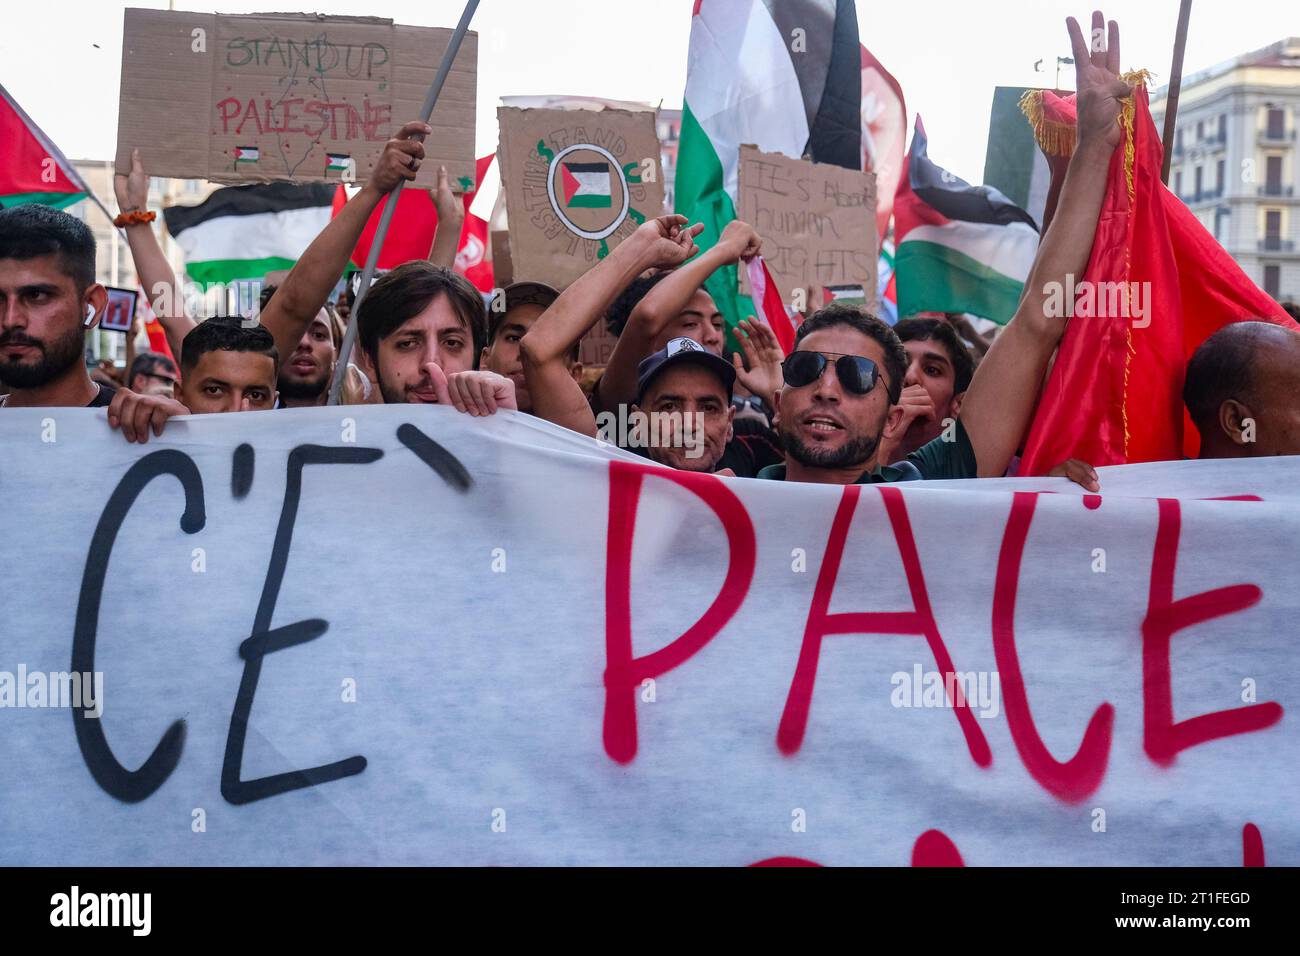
pixel 577 183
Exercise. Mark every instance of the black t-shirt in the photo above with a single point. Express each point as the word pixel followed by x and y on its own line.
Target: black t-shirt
pixel 752 448
pixel 104 397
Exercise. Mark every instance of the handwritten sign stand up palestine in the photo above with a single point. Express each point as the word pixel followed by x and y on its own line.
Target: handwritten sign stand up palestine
pixel 818 223
pixel 303 97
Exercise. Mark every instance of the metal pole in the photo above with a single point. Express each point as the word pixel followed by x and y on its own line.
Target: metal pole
pixel 390 204
pixel 1175 84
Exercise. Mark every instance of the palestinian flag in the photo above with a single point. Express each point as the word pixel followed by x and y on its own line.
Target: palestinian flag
pixel 244 232
pixel 586 185
pixel 744 84
pixel 247 154
pixel 1114 394
pixel 32 169
pixel 960 248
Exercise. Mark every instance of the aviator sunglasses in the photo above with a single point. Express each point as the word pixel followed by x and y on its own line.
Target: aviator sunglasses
pixel 856 373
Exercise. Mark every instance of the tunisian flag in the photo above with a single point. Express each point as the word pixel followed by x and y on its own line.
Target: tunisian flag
pixel 884 134
pixel 1114 394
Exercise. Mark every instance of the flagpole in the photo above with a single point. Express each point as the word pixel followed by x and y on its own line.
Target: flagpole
pixel 1175 84
pixel 386 217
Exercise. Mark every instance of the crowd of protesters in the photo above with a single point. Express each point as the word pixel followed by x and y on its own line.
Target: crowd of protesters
pixel 856 400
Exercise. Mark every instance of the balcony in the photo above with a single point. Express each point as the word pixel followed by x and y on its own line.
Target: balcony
pixel 1276 189
pixel 1275 138
pixel 1205 195
pixel 1276 244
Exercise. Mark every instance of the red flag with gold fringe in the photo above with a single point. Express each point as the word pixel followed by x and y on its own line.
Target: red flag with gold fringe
pixel 1157 284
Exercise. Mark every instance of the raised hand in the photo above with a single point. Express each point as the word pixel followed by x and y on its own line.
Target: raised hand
pixel 400 159
pixel 1100 90
pixel 447 204
pixel 761 371
pixel 670 240
pixel 132 189
pixel 741 239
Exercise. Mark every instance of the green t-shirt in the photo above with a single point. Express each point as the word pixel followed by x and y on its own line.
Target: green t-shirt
pixel 935 459
pixel 947 459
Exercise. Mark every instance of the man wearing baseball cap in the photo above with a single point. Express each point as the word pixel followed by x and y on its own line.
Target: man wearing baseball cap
pixel 689 390
pixel 512 313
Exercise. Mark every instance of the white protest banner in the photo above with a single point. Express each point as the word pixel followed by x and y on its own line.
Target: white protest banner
pixel 390 635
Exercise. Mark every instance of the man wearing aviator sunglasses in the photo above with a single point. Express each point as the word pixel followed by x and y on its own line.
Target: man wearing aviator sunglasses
pixel 842 384
pixel 831 423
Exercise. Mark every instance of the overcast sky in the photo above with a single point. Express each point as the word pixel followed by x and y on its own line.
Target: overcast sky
pixel 61 59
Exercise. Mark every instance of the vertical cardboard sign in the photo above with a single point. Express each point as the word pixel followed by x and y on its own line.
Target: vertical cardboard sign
pixel 818 224
pixel 302 97
pixel 577 183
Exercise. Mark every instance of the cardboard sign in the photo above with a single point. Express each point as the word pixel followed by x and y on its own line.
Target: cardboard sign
pixel 577 183
pixel 818 224
pixel 532 649
pixel 300 97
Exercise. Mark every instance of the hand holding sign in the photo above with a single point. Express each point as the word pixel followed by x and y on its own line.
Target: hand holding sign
pixel 132 190
pixel 481 392
pixel 446 203
pixel 136 414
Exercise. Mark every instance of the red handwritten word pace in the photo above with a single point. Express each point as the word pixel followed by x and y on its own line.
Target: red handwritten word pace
pixel 315 119
pixel 1069 781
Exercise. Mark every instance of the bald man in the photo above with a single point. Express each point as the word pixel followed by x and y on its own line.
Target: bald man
pixel 1243 391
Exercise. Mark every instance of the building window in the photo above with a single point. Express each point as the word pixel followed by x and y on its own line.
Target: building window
pixel 1273 280
pixel 1276 123
pixel 1178 140
pixel 1223 127
pixel 1198 182
pixel 1178 184
pixel 1273 175
pixel 1218 178
pixel 1200 130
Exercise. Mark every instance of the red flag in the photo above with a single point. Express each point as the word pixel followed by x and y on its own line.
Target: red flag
pixel 1115 392
pixel 884 133
pixel 410 234
pixel 765 293
pixel 153 328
